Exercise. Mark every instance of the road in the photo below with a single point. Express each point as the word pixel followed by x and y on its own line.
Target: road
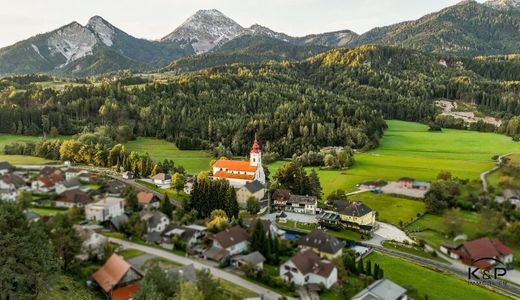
pixel 484 175
pixel 199 266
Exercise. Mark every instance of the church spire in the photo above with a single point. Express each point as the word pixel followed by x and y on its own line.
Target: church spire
pixel 256 147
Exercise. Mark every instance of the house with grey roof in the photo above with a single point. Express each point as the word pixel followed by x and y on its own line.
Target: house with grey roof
pixel 155 221
pixel 162 179
pixel 253 189
pixel 355 215
pixel 254 259
pixel 68 185
pixel 325 245
pixel 190 235
pixel 5 167
pixel 382 289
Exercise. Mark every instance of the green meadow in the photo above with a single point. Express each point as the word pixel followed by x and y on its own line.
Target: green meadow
pixel 437 285
pixel 193 161
pixel 409 149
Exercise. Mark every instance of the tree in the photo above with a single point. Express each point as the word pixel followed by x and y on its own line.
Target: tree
pixel 167 206
pixel 218 220
pixel 369 268
pixel 65 240
pixel 156 286
pixel 27 263
pixel 130 194
pixel 293 177
pixel 74 214
pixel 258 238
pixel 252 205
pixel 178 182
pixel 444 175
pixel 207 284
pixel 453 221
pixel 189 291
pixel 314 184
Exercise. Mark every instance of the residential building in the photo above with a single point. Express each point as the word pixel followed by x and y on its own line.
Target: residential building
pixel 148 200
pixel 11 181
pixel 308 268
pixel 227 243
pixel 190 235
pixel 47 171
pixel 382 289
pixel 411 183
pixel 155 221
pixel 162 179
pixel 188 184
pixel 329 219
pixel 118 279
pixel 5 167
pixel 255 260
pixel 484 253
pixel 72 184
pixel 71 198
pixel 114 223
pixel 46 184
pixel 8 195
pixel 72 173
pixel 127 175
pixel 285 200
pixel 105 209
pixel 115 188
pixel 86 177
pixel 325 245
pixel 239 173
pixel 92 243
pixel 355 215
pixel 253 189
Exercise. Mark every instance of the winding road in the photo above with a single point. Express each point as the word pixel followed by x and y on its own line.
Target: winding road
pixel 484 175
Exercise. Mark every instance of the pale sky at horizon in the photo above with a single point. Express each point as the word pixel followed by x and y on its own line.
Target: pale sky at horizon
pixel 154 19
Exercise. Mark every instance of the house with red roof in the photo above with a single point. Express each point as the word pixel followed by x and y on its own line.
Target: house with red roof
pixel 118 279
pixel 148 200
pixel 484 252
pixel 46 183
pixel 239 173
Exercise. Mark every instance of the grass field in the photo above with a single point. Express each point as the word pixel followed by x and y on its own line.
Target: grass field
pixel 48 211
pixel 130 253
pixel 436 285
pixel 6 139
pixel 65 288
pixel 391 209
pixel 408 149
pixel 193 161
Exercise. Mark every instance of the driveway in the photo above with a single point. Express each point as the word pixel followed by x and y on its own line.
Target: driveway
pixel 388 232
pixel 199 266
pixel 301 218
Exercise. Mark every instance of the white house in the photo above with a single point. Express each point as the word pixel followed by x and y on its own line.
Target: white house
pixel 382 289
pixel 71 173
pixel 8 195
pixel 162 179
pixel 5 167
pixel 105 209
pixel 308 268
pixel 93 244
pixel 227 243
pixel 155 221
pixel 44 184
pixel 189 234
pixel 69 185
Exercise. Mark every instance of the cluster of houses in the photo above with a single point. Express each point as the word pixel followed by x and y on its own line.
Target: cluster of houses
pixel 483 253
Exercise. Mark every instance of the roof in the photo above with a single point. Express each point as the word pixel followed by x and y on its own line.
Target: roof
pixel 265 223
pixel 421 183
pixel 281 195
pixel 162 176
pixel 71 183
pixel 111 273
pixel 231 237
pixel 13 179
pixel 153 218
pixel 303 199
pixel 222 174
pixel 483 248
pixel 196 227
pixel 382 289
pixel 117 221
pixel 72 170
pixel 49 170
pixel 216 254
pixel 74 196
pixel 322 242
pixel 47 181
pixel 355 209
pixel 253 258
pixel 408 179
pixel 145 198
pixel 254 186
pixel 309 262
pixel 235 165
pixel 4 165
pixel 115 187
pixel 108 201
pixel 329 216
pixel 125 293
pixel 501 248
pixel 256 147
pixel 153 237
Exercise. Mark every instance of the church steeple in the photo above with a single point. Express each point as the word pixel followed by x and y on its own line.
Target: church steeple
pixel 255 158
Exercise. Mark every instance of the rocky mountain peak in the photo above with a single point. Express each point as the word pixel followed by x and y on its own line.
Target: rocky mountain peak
pixel 503 4
pixel 104 30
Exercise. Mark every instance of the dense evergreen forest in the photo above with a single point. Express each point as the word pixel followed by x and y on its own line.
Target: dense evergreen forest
pixel 339 98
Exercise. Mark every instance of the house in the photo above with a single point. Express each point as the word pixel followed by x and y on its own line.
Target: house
pixel 71 198
pixel 355 214
pixel 92 243
pixel 115 188
pixel 128 175
pixel 72 173
pixel 484 252
pixel 86 177
pixel 329 219
pixel 155 221
pixel 411 183
pixel 118 279
pixel 308 268
pixel 255 260
pixel 5 167
pixel 46 184
pixel 105 209
pixel 227 243
pixel 72 184
pixel 47 171
pixel 11 181
pixel 8 195
pixel 239 173
pixel 188 184
pixel 148 200
pixel 325 245
pixel 382 289
pixel 450 249
pixel 190 235
pixel 284 200
pixel 162 179
pixel 253 189
pixel 114 224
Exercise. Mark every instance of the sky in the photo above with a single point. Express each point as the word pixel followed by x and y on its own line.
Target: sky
pixel 153 19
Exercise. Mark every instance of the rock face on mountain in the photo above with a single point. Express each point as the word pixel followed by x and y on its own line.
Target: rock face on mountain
pixel 205 30
pixel 503 4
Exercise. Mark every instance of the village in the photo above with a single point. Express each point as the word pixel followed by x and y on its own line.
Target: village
pixel 281 244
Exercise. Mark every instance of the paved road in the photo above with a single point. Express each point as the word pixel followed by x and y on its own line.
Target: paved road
pixel 198 265
pixel 484 175
pixel 388 232
pixel 358 192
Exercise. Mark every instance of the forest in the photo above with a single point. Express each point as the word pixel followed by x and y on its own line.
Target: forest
pixel 339 98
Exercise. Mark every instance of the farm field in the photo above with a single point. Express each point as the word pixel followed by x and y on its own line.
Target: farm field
pixel 391 209
pixel 436 285
pixel 6 139
pixel 193 161
pixel 409 149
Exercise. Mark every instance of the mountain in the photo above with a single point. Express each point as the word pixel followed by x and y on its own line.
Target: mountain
pixel 503 4
pixel 468 28
pixel 76 50
pixel 329 39
pixel 205 30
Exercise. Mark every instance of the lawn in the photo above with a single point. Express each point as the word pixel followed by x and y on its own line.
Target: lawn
pixel 48 211
pixel 412 249
pixel 24 160
pixel 65 288
pixel 409 149
pixel 6 139
pixel 130 253
pixel 391 209
pixel 193 161
pixel 436 285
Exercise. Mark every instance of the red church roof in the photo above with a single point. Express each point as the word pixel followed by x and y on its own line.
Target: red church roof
pixel 221 174
pixel 234 165
pixel 256 147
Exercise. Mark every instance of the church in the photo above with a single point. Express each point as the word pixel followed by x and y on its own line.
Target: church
pixel 239 173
